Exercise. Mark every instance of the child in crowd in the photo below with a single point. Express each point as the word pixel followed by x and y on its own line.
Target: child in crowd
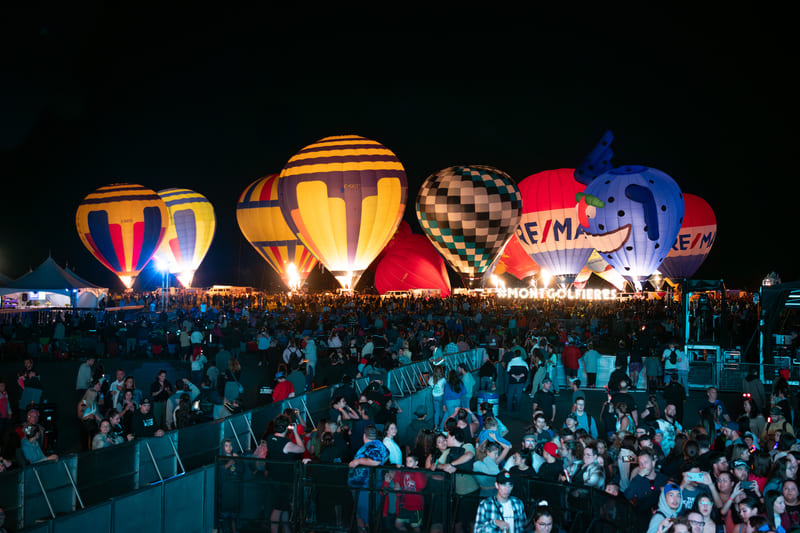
pixel 411 504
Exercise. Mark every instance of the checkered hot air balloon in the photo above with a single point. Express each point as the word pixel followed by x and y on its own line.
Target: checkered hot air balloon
pixel 262 224
pixel 469 213
pixel 192 224
pixel 122 225
pixel 343 197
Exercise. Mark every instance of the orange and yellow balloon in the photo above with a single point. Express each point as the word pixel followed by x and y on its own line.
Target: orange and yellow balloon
pixel 122 225
pixel 192 224
pixel 262 224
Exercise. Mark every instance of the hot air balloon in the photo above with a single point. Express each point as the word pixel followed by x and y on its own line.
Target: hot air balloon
pixel 632 215
pixel 516 261
pixel 695 238
pixel 262 224
pixel 411 262
pixel 189 234
pixel 469 213
pixel 122 225
pixel 549 229
pixel 597 265
pixel 343 197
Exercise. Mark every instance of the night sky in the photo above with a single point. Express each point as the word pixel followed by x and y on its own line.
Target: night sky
pixel 211 101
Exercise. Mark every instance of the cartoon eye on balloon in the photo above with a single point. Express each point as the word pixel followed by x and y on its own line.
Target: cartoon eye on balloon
pixel 469 213
pixel 122 225
pixel 632 215
pixel 343 197
pixel 189 234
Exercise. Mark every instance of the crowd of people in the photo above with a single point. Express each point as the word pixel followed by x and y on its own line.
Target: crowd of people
pixel 306 342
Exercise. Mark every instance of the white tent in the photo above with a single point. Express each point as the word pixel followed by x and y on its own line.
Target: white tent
pixel 51 285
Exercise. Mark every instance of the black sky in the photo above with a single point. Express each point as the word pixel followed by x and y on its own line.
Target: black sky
pixel 213 100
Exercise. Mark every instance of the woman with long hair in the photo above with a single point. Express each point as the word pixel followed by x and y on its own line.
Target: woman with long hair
pixel 704 505
pixel 774 507
pixel 453 391
pixel 437 383
pixel 755 420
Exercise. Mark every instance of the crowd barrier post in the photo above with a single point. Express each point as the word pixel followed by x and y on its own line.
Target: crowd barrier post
pixel 153 458
pixel 74 486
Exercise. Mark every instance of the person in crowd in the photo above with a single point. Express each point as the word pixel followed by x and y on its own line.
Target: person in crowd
pixel 774 508
pixel 589 473
pixel 105 438
pixel 395 453
pixel 494 453
pixel 669 507
pixel 705 522
pixel 411 504
pixel 468 382
pixel 584 419
pixel 84 378
pixel 453 393
pixel 160 391
pixel 283 450
pixel 502 512
pixel 283 388
pixel 517 372
pixel 371 453
pixel 545 401
pixel 644 489
pixel 143 423
pixel 669 427
pixel 590 358
pixel 31 449
pixel 437 383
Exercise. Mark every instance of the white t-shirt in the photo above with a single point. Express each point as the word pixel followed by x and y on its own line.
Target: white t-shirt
pixel 438 387
pixel 508 515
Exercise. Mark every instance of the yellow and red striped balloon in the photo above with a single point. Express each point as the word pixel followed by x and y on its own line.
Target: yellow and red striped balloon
pixel 122 225
pixel 262 224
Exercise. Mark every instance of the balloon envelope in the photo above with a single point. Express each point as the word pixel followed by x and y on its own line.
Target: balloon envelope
pixel 262 224
pixel 122 225
pixel 516 261
pixel 343 197
pixel 469 213
pixel 189 234
pixel 638 217
pixel 411 262
pixel 549 229
pixel 695 238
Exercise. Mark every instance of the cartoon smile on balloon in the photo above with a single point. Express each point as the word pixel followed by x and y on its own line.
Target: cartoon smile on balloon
pixel 631 214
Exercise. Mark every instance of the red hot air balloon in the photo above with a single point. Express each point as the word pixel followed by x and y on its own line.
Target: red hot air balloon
pixel 695 238
pixel 411 262
pixel 549 229
pixel 516 261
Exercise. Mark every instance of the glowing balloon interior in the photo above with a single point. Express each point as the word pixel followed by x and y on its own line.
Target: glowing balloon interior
pixel 411 262
pixel 516 261
pixel 343 197
pixel 262 224
pixel 189 234
pixel 469 213
pixel 122 225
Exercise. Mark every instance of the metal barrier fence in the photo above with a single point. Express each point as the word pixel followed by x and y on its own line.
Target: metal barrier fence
pixel 78 482
pixel 252 493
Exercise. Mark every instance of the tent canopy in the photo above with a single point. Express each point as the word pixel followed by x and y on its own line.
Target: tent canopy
pixel 52 279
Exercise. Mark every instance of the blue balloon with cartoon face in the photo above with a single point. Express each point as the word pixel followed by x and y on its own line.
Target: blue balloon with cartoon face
pixel 632 215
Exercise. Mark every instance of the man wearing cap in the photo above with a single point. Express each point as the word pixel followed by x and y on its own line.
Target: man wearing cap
pixel 420 423
pixel 283 389
pixel 669 505
pixel 502 512
pixel 143 423
pixel 731 432
pixel 553 467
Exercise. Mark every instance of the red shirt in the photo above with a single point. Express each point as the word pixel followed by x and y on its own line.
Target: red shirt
pixel 282 391
pixel 412 482
pixel 570 356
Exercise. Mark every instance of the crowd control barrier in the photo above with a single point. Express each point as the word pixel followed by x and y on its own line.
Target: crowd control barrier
pixel 77 483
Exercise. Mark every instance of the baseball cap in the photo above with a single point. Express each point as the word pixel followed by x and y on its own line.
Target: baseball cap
pixel 371 432
pixel 146 401
pixel 669 487
pixel 278 375
pixel 552 449
pixel 547 380
pixel 733 426
pixel 503 477
pixel 740 464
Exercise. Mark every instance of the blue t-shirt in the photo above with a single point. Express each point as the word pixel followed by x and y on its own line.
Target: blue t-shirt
pixel 375 450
